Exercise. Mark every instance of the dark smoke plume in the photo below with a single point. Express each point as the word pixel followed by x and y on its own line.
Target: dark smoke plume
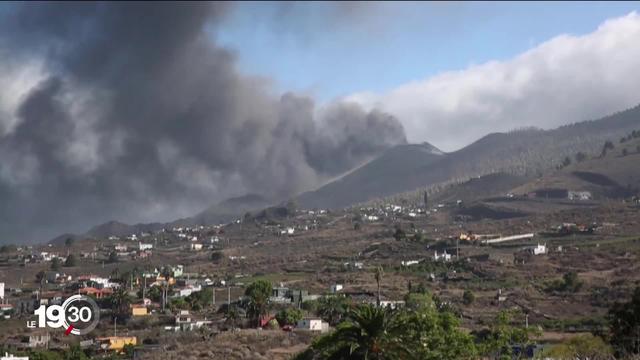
pixel 138 116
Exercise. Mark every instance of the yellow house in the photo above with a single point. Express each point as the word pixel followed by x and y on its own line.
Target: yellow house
pixel 138 310
pixel 116 343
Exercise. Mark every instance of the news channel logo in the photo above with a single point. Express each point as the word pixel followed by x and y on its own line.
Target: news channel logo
pixel 77 315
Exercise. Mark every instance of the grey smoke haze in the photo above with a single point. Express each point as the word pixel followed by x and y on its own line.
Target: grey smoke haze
pixel 131 112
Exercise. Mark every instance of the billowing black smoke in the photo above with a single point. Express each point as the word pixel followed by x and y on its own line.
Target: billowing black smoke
pixel 139 116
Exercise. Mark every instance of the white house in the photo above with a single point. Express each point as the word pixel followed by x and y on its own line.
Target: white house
pixel 335 288
pixel 311 324
pixel 443 257
pixel 1 291
pixel 187 290
pixel 392 304
pixel 143 246
pixel 539 249
pixel 579 195
pixel 196 246
pixel 120 248
pixel 8 356
pixel 410 262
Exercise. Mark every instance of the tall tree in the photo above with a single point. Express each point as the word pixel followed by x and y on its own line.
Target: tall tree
pixel 368 333
pixel 624 320
pixel 378 275
pixel 258 294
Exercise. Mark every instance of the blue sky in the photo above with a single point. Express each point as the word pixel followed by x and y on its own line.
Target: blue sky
pixel 327 50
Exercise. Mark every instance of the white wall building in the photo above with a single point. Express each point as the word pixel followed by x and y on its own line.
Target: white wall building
pixel 8 356
pixel 579 195
pixel 335 288
pixel 539 249
pixel 313 325
pixel 1 291
pixel 143 246
pixel 441 257
pixel 196 246
pixel 410 262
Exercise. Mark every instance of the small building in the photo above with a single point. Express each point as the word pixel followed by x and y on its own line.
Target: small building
pixel 38 339
pixel 187 290
pixel 142 246
pixel 177 270
pixel 539 249
pixel 6 310
pixel 441 257
pixel 8 356
pixel 391 304
pixel 313 324
pixel 97 293
pixel 336 288
pixel 139 310
pixel 115 343
pixel 196 246
pixel 1 291
pixel 280 294
pixel 410 262
pixel 579 195
pixel 120 248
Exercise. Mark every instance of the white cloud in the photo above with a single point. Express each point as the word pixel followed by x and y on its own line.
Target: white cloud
pixel 563 80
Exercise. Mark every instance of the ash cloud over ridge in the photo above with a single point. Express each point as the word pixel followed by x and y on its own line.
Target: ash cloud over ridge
pixel 131 112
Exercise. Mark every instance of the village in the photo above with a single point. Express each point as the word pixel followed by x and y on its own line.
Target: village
pixel 195 279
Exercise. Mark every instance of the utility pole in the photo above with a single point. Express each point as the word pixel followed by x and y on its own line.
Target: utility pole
pixel 228 297
pixel 213 295
pixel 164 297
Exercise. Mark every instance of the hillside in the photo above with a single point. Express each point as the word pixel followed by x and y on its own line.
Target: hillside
pixel 527 152
pixel 379 177
pixel 614 175
pixel 224 211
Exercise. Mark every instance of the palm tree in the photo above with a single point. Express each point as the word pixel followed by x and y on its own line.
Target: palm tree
pixel 332 308
pixel 378 275
pixel 370 332
pixel 120 302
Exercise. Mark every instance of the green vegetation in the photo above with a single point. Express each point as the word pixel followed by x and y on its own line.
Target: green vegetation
pixel 498 340
pixel 608 145
pixel 581 347
pixel 113 257
pixel 594 324
pixel 569 283
pixel 258 294
pixel 468 297
pixel 68 242
pixel 8 248
pixel 56 264
pixel 418 331
pixel 580 157
pixel 331 309
pixel 289 316
pixel 200 299
pixel 399 234
pixel 624 319
pixel 70 261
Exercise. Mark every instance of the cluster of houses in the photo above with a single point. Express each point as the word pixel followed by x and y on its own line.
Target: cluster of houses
pixel 391 211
